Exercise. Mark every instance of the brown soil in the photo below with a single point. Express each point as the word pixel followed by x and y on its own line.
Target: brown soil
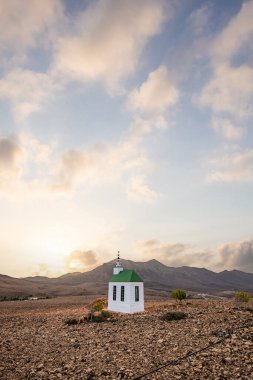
pixel 36 343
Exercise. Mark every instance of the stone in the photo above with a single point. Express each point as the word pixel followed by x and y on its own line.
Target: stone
pixel 129 346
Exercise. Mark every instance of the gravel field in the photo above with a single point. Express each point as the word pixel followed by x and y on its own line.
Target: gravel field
pixel 36 343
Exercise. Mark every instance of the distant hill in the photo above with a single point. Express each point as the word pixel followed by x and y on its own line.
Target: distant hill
pixel 158 278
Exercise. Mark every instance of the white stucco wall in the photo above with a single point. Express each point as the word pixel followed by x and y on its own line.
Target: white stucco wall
pixel 129 305
pixel 136 306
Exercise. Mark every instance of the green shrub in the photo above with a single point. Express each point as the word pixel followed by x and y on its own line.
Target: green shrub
pixel 99 304
pixel 105 314
pixel 99 318
pixel 102 316
pixel 242 296
pixel 173 316
pixel 178 294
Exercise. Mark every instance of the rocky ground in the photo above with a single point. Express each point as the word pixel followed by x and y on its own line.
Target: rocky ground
pixel 37 344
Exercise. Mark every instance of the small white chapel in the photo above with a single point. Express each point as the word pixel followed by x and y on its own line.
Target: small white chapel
pixel 126 290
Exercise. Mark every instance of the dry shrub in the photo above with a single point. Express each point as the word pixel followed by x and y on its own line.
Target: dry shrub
pixel 72 321
pixel 173 316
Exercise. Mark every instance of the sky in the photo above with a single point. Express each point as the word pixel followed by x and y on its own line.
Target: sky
pixel 125 125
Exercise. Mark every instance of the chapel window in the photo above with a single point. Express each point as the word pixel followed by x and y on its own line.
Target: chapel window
pixel 137 294
pixel 122 294
pixel 114 293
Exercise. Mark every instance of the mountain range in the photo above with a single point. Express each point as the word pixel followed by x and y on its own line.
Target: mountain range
pixel 158 279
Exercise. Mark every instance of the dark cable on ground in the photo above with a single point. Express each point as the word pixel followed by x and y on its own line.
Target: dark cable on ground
pixel 172 362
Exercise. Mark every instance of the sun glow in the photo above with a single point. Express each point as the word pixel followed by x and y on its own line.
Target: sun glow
pixel 75 265
pixel 55 246
pixel 54 251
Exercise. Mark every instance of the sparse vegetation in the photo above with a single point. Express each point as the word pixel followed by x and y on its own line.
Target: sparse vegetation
pixel 87 349
pixel 24 298
pixel 97 312
pixel 102 317
pixel 178 294
pixel 72 321
pixel 173 316
pixel 242 296
pixel 99 304
pixel 106 314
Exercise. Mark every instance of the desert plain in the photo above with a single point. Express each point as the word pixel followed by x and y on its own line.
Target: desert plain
pixel 36 343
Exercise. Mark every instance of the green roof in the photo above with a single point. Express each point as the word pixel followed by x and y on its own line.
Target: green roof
pixel 126 276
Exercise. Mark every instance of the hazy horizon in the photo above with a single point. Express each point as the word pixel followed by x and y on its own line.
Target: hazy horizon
pixel 125 126
pixel 111 261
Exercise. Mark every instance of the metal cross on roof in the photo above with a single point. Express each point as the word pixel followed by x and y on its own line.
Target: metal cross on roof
pixel 118 261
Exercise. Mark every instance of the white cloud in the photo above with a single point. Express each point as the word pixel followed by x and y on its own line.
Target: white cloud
pixel 105 163
pixel 229 256
pixel 102 162
pixel 236 35
pixel 40 169
pixel 25 26
pixel 43 269
pixel 160 123
pixel 11 159
pixel 173 254
pixel 22 22
pixel 155 94
pixel 78 166
pixel 27 91
pixel 45 170
pixel 36 151
pixel 108 41
pixel 139 191
pixel 103 44
pixel 232 167
pixel 229 91
pixel 81 261
pixel 226 128
pixel 237 255
pixel 25 166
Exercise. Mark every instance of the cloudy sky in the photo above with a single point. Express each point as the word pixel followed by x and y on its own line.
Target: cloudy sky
pixel 125 125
